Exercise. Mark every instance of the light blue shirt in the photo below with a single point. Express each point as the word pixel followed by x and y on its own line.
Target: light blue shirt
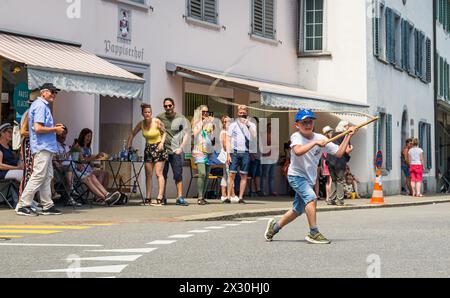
pixel 40 113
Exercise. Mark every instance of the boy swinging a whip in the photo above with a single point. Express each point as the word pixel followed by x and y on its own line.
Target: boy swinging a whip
pixel 306 149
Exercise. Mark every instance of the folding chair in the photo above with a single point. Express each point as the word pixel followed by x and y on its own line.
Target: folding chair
pixel 11 186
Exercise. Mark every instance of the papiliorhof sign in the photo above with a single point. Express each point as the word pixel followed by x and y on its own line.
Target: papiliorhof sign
pixel 124 51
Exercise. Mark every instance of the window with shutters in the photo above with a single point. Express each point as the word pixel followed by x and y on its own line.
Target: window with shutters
pixel 443 78
pixel 383 139
pixel 425 144
pixel 203 10
pixel 397 36
pixel 263 18
pixel 379 30
pixel 443 14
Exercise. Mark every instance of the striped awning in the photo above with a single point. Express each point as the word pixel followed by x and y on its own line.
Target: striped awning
pixel 271 94
pixel 69 67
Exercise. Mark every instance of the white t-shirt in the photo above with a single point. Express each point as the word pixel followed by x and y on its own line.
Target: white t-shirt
pixel 237 136
pixel 64 150
pixel 414 156
pixel 306 165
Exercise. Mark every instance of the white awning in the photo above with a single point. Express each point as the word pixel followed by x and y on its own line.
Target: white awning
pixel 69 67
pixel 273 95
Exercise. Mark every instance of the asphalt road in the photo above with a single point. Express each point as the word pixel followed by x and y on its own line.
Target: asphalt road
pixel 394 242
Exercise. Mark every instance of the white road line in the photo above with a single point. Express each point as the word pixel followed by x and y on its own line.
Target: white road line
pixel 131 250
pixel 107 277
pixel 232 225
pixel 162 242
pixel 51 245
pixel 264 218
pixel 214 228
pixel 248 221
pixel 129 258
pixel 199 231
pixel 181 236
pixel 97 269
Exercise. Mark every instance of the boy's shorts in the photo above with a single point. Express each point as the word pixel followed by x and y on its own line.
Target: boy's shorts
pixel 304 193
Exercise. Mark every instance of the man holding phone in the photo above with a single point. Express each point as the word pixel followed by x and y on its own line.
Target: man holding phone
pixel 239 136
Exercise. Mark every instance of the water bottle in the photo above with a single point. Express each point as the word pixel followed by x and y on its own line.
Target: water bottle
pixel 134 190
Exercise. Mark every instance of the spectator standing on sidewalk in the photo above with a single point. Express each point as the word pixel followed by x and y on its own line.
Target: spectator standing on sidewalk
pixel 337 165
pixel 405 165
pixel 269 159
pixel 416 164
pixel 307 148
pixel 43 145
pixel 177 136
pixel 240 135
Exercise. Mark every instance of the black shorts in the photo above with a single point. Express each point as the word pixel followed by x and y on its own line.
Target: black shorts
pixel 153 155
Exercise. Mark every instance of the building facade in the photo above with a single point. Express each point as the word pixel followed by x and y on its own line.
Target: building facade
pixel 331 55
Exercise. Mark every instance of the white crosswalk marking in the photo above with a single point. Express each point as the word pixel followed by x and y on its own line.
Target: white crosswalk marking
pixel 131 250
pixel 129 258
pixel 162 242
pixel 199 231
pixel 232 225
pixel 50 245
pixel 248 221
pixel 97 269
pixel 181 236
pixel 214 228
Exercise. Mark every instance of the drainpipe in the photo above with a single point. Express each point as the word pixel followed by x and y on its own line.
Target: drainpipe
pixel 435 93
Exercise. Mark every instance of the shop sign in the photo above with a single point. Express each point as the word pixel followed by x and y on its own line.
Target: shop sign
pixel 20 99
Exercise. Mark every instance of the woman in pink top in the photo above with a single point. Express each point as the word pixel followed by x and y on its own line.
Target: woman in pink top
pixel 415 161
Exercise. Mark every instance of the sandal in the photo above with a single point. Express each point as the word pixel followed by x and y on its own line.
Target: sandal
pixel 147 202
pixel 158 202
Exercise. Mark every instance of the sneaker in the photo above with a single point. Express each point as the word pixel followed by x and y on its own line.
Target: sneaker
pixel 317 239
pixel 225 200
pixel 339 202
pixel 235 199
pixel 330 202
pixel 51 211
pixel 72 202
pixel 164 201
pixel 56 196
pixel 111 199
pixel 36 209
pixel 269 230
pixel 181 202
pixel 26 211
pixel 242 201
pixel 201 202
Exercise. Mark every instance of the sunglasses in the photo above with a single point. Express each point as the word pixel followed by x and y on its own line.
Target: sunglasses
pixel 168 106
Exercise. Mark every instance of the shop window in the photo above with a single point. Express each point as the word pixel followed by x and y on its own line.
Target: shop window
pixel 192 101
pixel 383 139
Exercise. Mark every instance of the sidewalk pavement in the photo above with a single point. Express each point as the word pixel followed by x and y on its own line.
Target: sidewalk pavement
pixel 255 207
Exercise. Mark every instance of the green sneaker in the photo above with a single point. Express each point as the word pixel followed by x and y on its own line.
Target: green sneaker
pixel 317 239
pixel 269 230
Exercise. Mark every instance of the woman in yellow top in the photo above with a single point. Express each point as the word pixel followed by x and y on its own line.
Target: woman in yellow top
pixel 155 155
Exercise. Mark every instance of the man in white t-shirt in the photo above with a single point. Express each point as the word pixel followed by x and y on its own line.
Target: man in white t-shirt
pixel 306 149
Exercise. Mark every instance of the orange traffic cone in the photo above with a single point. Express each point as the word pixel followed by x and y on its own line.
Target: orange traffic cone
pixel 377 195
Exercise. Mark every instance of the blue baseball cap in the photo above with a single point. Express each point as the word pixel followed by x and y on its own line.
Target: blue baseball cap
pixel 304 114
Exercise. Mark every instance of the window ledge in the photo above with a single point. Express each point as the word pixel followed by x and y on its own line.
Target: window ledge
pixel 382 60
pixel 203 24
pixel 134 4
pixel 272 42
pixel 412 75
pixel 397 67
pixel 315 54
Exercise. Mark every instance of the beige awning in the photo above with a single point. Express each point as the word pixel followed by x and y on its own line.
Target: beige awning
pixel 69 67
pixel 274 95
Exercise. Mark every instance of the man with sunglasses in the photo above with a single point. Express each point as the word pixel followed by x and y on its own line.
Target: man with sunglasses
pixel 43 145
pixel 307 148
pixel 177 127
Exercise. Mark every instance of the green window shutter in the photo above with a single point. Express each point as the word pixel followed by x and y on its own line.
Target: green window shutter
pixel 441 76
pixel 417 52
pixel 376 28
pixel 376 129
pixel 210 11
pixel 405 45
pixel 388 142
pixel 428 57
pixel 390 38
pixel 195 9
pixel 429 152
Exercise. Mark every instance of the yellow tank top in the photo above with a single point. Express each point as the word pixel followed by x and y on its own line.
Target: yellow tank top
pixel 153 135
